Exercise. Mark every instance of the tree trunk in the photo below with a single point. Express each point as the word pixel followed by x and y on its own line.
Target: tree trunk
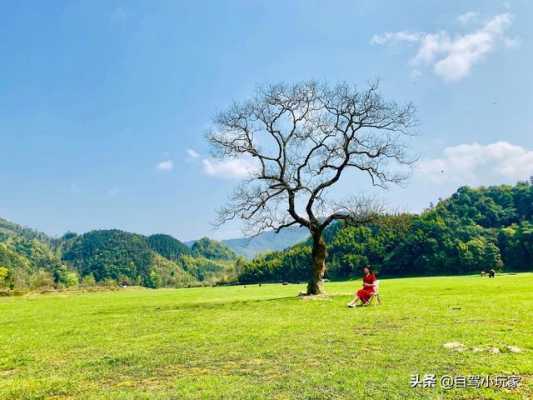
pixel 318 265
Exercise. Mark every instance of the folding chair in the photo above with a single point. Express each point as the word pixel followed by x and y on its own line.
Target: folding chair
pixel 375 297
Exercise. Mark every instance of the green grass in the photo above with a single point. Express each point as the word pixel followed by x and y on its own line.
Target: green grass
pixel 265 343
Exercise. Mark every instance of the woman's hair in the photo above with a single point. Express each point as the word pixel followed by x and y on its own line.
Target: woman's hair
pixel 369 268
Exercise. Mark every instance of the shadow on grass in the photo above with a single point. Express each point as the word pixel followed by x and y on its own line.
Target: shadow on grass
pixel 223 304
pixel 219 304
pixel 197 305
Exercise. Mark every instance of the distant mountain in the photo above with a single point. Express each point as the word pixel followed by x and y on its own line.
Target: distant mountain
pixel 31 259
pixel 267 242
pixel 212 250
pixel 112 254
pixel 155 261
pixel 168 246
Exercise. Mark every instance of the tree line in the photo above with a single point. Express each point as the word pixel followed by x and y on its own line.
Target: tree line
pixel 473 230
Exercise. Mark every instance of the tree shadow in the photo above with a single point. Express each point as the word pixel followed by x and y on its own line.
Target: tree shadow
pixel 212 305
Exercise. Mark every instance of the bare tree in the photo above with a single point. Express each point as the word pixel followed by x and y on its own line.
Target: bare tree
pixel 303 137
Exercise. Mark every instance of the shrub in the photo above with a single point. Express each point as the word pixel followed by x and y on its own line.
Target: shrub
pixel 88 281
pixel 41 279
pixel 71 279
pixel 109 283
pixel 4 273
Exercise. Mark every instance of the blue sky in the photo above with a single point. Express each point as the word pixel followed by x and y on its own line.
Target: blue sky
pixel 104 104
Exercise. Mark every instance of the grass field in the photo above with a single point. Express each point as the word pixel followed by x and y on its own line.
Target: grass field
pixel 265 343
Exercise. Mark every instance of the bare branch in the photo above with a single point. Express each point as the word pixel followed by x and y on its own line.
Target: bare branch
pixel 357 210
pixel 303 138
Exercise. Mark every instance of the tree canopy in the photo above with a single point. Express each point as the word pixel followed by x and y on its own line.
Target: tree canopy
pixel 168 246
pixel 211 249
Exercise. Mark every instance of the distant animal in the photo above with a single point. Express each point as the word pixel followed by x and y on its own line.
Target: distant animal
pixel 483 273
pixel 285 283
pixel 492 273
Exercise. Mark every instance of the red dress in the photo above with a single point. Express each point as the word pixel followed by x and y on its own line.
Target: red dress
pixel 367 291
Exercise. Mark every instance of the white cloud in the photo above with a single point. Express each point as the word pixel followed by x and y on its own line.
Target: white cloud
pixel 477 164
pixel 193 153
pixel 237 168
pixel 452 56
pixel 389 37
pixel 468 17
pixel 167 165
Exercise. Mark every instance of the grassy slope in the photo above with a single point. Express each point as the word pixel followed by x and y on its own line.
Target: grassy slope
pixel 262 342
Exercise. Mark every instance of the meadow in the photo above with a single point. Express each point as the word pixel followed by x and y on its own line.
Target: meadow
pixel 264 342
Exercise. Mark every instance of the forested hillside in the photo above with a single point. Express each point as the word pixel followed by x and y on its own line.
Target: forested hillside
pixel 121 256
pixel 474 229
pixel 212 250
pixel 168 246
pixel 30 260
pixel 155 261
pixel 12 229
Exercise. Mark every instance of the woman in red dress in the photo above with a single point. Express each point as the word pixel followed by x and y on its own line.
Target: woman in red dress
pixel 369 287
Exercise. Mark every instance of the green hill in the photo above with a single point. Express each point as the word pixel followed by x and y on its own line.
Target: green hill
pixel 212 250
pixel 112 254
pixel 12 229
pixel 167 246
pixel 124 257
pixel 490 207
pixel 29 259
pixel 155 261
pixel 27 262
pixel 475 229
